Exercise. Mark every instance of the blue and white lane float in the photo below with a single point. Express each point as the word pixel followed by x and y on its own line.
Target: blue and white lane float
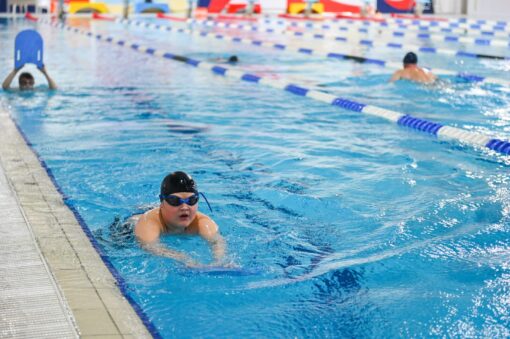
pixel 354 24
pixel 464 21
pixel 439 130
pixel 317 52
pixel 365 26
pixel 469 24
pixel 403 24
pixel 365 30
pixel 353 40
pixel 501 27
pixel 399 34
pixel 499 31
pixel 455 30
pixel 441 30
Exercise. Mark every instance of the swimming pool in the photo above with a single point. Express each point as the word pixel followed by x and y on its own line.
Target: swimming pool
pixel 353 226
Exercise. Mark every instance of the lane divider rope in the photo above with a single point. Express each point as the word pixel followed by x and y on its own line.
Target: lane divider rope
pixel 406 23
pixel 436 129
pixel 310 51
pixel 399 34
pixel 479 25
pixel 477 30
pixel 349 39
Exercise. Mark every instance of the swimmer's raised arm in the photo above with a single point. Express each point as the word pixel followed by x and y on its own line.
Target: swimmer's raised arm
pixel 51 83
pixel 8 80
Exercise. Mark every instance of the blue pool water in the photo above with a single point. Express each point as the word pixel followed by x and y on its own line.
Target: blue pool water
pixel 349 226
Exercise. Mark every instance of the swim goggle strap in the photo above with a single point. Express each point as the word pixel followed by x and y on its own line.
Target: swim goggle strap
pixel 175 201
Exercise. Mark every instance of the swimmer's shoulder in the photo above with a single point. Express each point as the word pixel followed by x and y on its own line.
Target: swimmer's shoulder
pixel 147 222
pixel 206 226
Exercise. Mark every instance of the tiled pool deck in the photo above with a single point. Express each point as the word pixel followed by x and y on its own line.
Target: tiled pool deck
pixel 53 283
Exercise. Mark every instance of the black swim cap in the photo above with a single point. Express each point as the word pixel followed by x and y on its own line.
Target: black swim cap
pixel 178 182
pixel 233 58
pixel 410 58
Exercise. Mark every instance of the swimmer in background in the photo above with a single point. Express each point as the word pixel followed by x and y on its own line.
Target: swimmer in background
pixel 412 72
pixel 26 80
pixel 178 215
pixel 233 59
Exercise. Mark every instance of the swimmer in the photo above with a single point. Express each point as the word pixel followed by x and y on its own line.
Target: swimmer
pixel 412 72
pixel 233 59
pixel 26 80
pixel 178 215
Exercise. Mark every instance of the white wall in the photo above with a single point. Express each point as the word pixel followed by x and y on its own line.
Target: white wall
pixel 489 9
pixel 448 6
pixel 273 6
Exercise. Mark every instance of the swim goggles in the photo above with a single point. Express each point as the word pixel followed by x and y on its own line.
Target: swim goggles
pixel 176 201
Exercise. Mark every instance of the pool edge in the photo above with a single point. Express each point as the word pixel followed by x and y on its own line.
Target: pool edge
pixel 90 290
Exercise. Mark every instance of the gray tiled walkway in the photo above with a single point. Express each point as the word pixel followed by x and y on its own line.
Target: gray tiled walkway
pixel 30 303
pixel 38 235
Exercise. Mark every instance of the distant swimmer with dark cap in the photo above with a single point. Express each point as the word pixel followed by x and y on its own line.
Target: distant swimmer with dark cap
pixel 412 72
pixel 178 215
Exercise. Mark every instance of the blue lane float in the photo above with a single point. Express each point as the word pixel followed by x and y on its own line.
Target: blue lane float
pixel 439 130
pixel 462 29
pixel 438 36
pixel 376 43
pixel 309 51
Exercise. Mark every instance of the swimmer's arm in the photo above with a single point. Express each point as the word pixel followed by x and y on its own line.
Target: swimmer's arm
pixel 148 235
pixel 8 80
pixel 159 249
pixel 396 76
pixel 51 84
pixel 209 231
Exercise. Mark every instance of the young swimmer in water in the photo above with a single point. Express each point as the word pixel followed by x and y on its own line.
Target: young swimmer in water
pixel 178 215
pixel 26 80
pixel 412 72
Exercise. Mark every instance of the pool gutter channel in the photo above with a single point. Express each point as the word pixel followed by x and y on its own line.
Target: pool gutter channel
pixel 88 292
pixel 439 130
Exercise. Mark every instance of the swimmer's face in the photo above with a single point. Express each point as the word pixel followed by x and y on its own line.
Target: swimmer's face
pixel 26 84
pixel 179 216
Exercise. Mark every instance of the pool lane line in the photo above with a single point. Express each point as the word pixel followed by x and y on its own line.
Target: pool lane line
pixel 461 22
pixel 436 129
pixel 402 35
pixel 398 34
pixel 501 26
pixel 464 21
pixel 444 30
pixel 505 35
pixel 421 35
pixel 359 41
pixel 361 27
pixel 496 31
pixel 389 23
pixel 310 51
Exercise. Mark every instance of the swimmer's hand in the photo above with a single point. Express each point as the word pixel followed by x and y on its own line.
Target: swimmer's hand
pixel 161 250
pixel 224 264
